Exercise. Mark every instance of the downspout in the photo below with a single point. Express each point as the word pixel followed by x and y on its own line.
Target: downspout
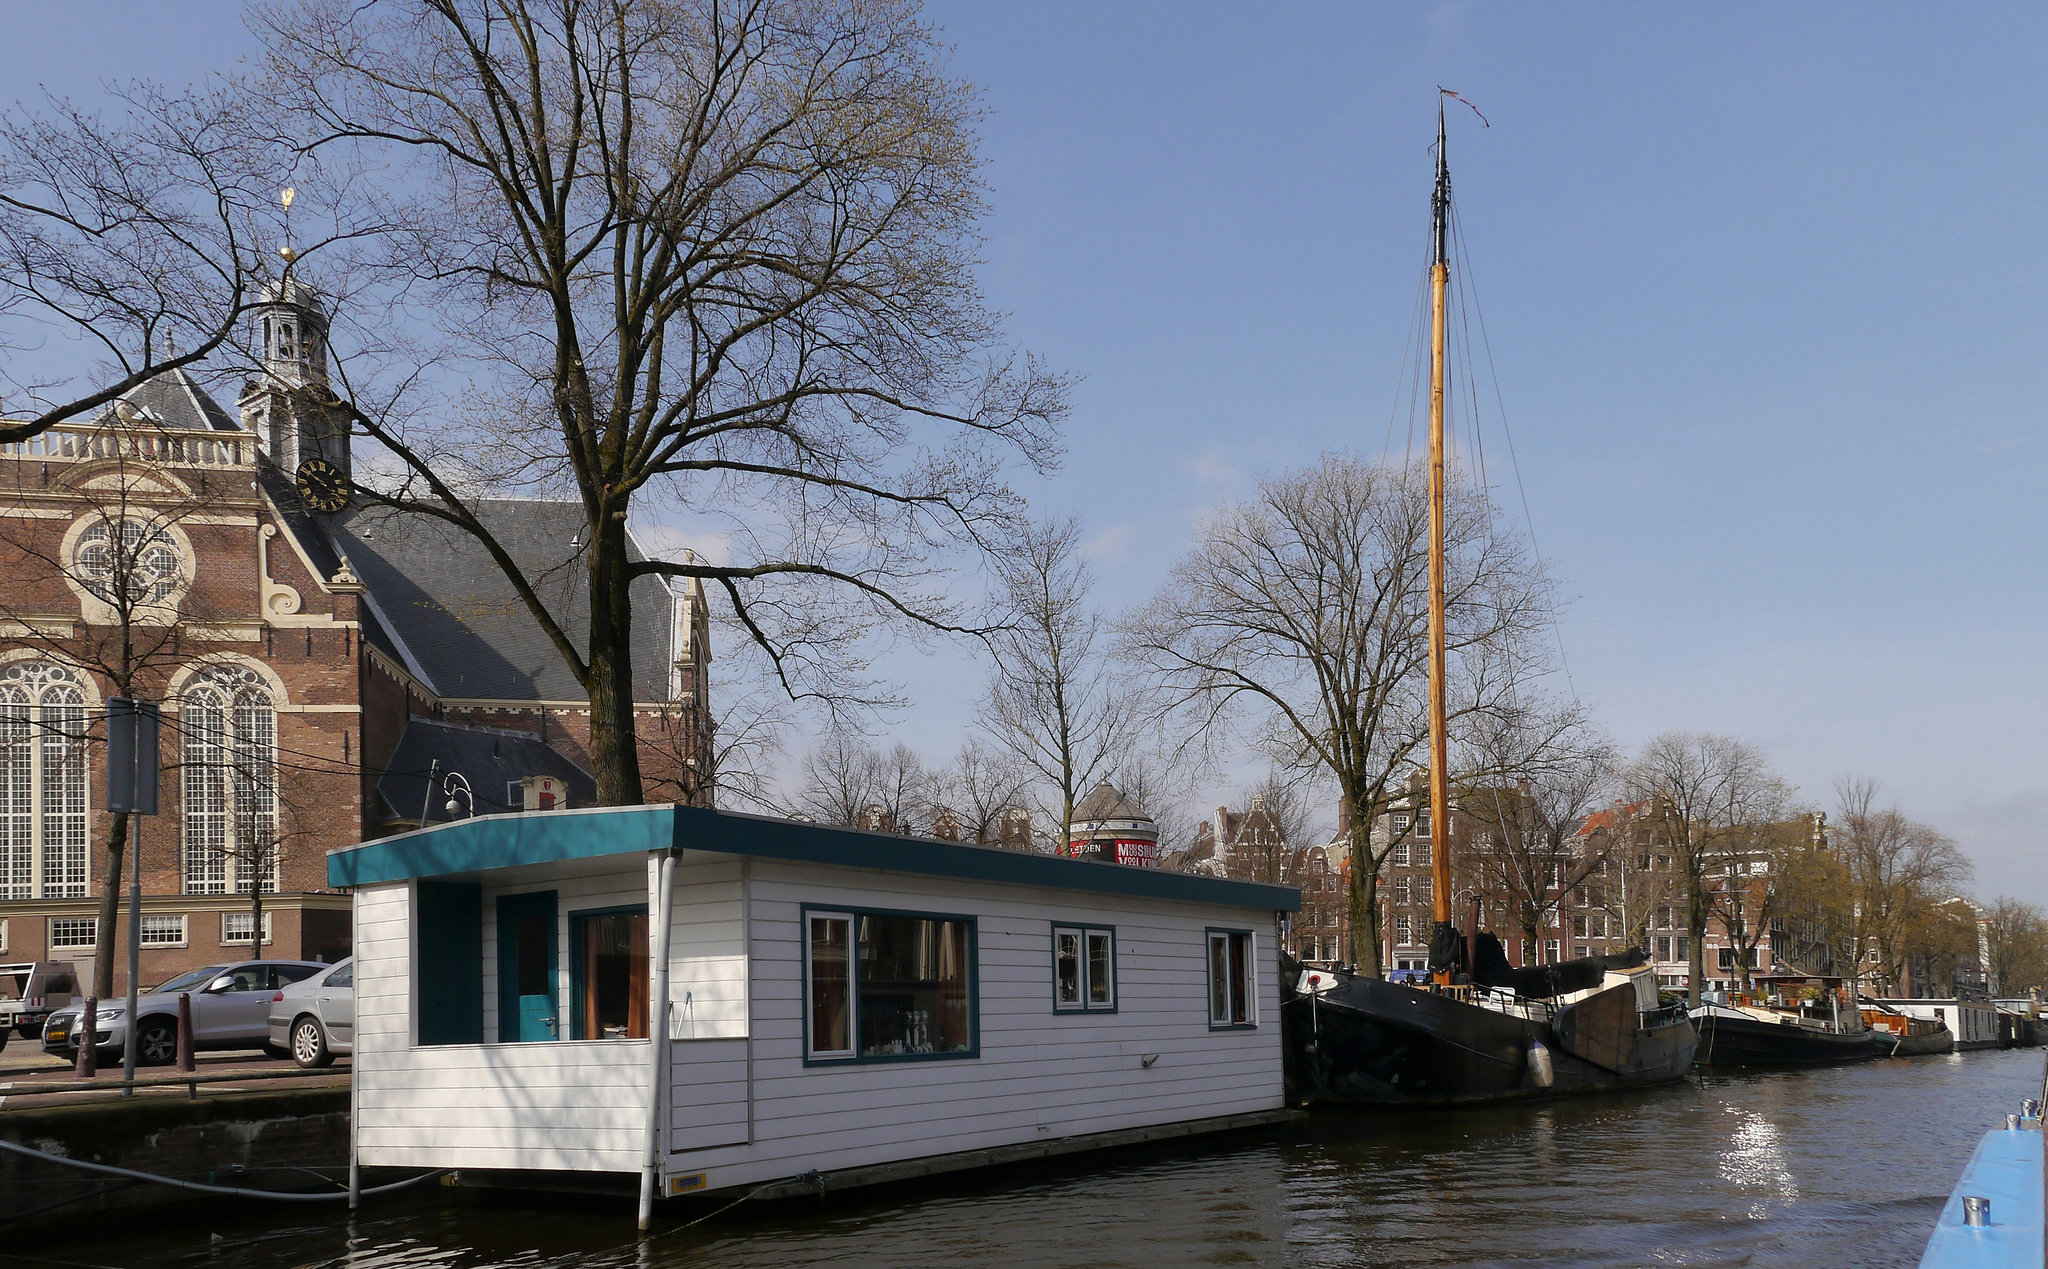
pixel 657 1037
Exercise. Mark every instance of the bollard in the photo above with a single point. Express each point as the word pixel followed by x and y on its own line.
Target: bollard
pixel 1976 1211
pixel 88 1064
pixel 185 1063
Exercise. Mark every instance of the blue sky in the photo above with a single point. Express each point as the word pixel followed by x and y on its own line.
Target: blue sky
pixel 1764 287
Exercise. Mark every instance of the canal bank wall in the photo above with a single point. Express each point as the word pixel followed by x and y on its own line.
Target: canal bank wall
pixel 287 1140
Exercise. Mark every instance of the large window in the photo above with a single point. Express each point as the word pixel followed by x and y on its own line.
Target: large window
pixel 73 932
pixel 127 563
pixel 163 930
pixel 609 980
pixel 885 985
pixel 1083 969
pixel 230 762
pixel 1233 979
pixel 42 782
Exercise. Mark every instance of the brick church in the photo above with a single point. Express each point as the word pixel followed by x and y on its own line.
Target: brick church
pixel 329 671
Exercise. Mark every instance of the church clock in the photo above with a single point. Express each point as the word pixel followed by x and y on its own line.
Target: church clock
pixel 322 486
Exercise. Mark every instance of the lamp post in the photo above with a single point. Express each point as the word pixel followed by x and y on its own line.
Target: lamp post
pixel 453 783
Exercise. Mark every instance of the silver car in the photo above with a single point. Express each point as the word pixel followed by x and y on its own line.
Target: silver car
pixel 229 1006
pixel 316 1018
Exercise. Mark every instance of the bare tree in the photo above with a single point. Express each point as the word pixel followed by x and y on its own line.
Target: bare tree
pixel 1898 867
pixel 688 254
pixel 840 780
pixel 1709 793
pixel 1632 888
pixel 677 255
pixel 978 789
pixel 1164 789
pixel 1055 699
pixel 1538 771
pixel 1299 620
pixel 904 792
pixel 2018 937
pixel 138 238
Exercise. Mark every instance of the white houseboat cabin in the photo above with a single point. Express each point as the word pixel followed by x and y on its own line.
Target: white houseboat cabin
pixel 1974 1023
pixel 840 1006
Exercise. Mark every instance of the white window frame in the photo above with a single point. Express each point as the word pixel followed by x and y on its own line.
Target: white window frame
pixel 230 781
pixel 1222 1016
pixel 228 939
pixel 1404 932
pixel 177 921
pixel 3 934
pixel 852 1048
pixel 91 924
pixel 45 791
pixel 1085 938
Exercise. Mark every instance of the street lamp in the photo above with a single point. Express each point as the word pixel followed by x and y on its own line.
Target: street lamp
pixel 454 783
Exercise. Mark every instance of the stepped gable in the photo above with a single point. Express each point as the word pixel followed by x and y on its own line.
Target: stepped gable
pixel 468 633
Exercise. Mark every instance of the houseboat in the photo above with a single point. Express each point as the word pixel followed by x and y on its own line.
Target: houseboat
pixel 834 1007
pixel 1974 1022
pixel 1783 1020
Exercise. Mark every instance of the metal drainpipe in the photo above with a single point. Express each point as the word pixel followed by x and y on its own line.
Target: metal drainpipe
pixel 657 1038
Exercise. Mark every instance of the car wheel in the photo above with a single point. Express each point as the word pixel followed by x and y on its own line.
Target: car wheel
pixel 156 1042
pixel 30 1031
pixel 309 1043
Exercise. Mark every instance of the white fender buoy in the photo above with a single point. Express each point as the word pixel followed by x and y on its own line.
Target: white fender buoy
pixel 1540 1069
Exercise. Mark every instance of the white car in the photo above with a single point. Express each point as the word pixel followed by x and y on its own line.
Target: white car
pixel 230 1004
pixel 315 1018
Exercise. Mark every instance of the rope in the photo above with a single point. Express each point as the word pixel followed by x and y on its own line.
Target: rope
pixel 108 1169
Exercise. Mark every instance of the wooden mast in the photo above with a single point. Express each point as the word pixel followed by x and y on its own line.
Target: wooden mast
pixel 1439 748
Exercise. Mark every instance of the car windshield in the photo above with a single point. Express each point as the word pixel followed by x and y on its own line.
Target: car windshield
pixel 186 982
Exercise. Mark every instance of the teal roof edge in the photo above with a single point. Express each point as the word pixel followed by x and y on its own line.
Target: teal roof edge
pixel 505 841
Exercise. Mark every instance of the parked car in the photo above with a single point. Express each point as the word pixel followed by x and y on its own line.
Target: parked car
pixel 230 1008
pixel 314 1019
pixel 30 992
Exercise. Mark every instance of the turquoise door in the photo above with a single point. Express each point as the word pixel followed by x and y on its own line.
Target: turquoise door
pixel 527 958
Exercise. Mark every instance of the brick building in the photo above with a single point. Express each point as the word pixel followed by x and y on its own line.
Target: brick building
pixel 318 661
pixel 1252 845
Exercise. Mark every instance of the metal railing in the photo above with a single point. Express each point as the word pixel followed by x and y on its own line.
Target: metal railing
pixel 191 1083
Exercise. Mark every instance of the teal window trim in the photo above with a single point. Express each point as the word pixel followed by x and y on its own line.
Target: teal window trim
pixel 853 915
pixel 1250 1020
pixel 578 930
pixel 1084 929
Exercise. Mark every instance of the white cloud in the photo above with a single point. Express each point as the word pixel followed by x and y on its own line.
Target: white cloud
pixel 1111 546
pixel 667 541
pixel 1213 469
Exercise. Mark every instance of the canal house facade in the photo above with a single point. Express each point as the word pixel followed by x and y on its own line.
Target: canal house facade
pixel 830 1004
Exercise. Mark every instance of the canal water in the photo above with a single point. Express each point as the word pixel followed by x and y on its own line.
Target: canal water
pixel 1839 1167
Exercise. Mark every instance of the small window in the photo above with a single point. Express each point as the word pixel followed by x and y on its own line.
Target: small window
pixel 828 939
pixel 1401 854
pixel 73 932
pixel 286 975
pixel 1233 980
pixel 1552 952
pixel 163 930
pixel 343 977
pixel 610 980
pixel 234 927
pixel 1403 931
pixel 1084 969
pixel 3 935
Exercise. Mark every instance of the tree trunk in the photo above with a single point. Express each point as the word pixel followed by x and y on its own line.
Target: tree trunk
pixel 1696 935
pixel 256 918
pixel 614 755
pixel 110 908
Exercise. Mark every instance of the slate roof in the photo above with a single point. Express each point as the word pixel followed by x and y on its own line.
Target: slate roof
pixel 469 634
pixel 489 759
pixel 1105 803
pixel 175 399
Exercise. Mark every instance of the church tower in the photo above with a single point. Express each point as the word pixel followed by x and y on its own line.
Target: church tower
pixel 279 404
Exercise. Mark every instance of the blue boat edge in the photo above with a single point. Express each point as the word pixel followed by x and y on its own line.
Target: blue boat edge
pixel 2007 1170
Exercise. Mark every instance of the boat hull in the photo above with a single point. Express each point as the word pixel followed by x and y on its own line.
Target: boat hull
pixel 1942 1041
pixel 1729 1039
pixel 1370 1042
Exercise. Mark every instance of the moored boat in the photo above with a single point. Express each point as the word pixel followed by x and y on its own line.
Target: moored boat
pixel 1783 1020
pixel 1479 1030
pixel 1894 1034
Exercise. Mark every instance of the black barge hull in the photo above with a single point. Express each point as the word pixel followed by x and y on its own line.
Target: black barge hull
pixel 1371 1042
pixel 1740 1041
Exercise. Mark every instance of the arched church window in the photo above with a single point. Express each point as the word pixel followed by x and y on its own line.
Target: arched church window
pixel 127 562
pixel 42 782
pixel 229 725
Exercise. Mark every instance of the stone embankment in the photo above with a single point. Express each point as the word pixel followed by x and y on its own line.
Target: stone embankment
pixel 265 1135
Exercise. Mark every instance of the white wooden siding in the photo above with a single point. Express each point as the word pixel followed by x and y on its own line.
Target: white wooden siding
pixel 707 954
pixel 1039 1075
pixel 577 1105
